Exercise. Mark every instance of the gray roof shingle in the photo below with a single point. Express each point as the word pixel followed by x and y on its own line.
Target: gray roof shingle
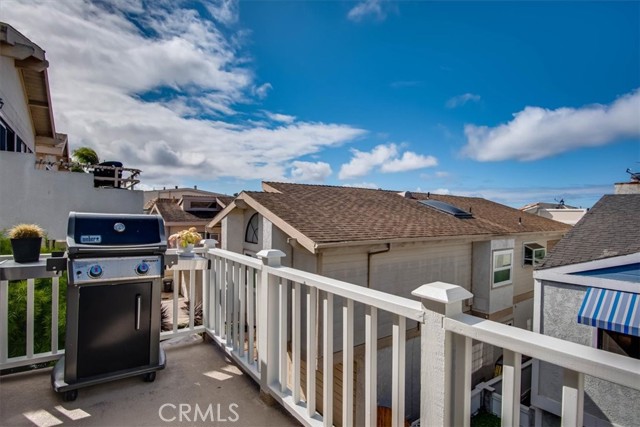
pixel 611 228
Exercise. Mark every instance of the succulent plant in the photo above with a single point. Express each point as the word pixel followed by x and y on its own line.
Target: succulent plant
pixel 25 231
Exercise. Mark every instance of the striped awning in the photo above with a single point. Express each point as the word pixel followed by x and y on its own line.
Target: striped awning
pixel 611 310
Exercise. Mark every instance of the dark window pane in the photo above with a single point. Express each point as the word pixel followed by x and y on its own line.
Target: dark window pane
pixel 501 276
pixel 11 140
pixel 3 138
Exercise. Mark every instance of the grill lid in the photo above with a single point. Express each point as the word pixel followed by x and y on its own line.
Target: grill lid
pixel 93 232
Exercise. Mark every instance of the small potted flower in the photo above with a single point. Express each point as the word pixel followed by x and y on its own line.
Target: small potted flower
pixel 187 239
pixel 26 240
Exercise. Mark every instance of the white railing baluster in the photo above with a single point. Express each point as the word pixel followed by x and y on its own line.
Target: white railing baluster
pixel 228 301
pixel 572 399
pixel 242 315
pixel 175 302
pixel 282 326
pixel 251 313
pixel 192 297
pixel 371 367
pixel 4 320
pixel 462 380
pixel 30 292
pixel 398 369
pixel 207 311
pixel 235 307
pixel 312 343
pixel 511 371
pixel 219 298
pixel 296 325
pixel 327 357
pixel 55 298
pixel 347 362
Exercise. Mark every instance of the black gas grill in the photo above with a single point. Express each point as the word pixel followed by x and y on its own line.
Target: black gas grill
pixel 114 264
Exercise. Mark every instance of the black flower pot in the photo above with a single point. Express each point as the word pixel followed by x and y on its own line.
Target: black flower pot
pixel 26 250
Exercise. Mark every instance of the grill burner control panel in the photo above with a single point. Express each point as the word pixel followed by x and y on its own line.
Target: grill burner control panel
pixel 89 270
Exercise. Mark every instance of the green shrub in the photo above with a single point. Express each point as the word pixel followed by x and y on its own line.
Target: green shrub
pixel 17 322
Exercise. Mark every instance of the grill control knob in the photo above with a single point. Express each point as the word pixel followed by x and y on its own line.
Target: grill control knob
pixel 95 271
pixel 142 268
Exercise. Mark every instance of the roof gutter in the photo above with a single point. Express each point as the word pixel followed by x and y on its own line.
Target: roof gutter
pixel 469 237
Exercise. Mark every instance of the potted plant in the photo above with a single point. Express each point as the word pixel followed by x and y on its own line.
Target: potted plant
pixel 26 240
pixel 187 239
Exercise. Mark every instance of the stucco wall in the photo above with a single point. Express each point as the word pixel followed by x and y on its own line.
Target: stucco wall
pixel 604 402
pixel 47 197
pixel 15 111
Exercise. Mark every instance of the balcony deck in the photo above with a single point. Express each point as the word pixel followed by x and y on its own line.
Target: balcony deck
pixel 196 373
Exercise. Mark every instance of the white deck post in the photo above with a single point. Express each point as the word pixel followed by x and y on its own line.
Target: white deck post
pixel 437 394
pixel 572 399
pixel 268 320
pixel 511 371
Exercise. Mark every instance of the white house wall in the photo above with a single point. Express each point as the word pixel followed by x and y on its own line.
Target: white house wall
pixel 46 197
pixel 608 402
pixel 15 110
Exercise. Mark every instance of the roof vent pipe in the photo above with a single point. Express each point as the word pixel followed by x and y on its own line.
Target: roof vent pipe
pixel 406 194
pixel 428 194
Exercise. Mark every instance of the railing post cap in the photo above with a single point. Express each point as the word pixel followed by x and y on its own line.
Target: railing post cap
pixel 270 253
pixel 271 256
pixel 442 292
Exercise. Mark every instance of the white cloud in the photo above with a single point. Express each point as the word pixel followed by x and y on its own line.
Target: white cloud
pixel 154 86
pixel 583 196
pixel 277 117
pixel 368 8
pixel 409 161
pixel 460 100
pixel 442 174
pixel 224 11
pixel 371 185
pixel 441 191
pixel 535 133
pixel 387 158
pixel 262 90
pixel 310 171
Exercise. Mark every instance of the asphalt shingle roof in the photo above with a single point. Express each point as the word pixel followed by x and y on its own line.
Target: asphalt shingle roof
pixel 171 212
pixel 338 214
pixel 611 228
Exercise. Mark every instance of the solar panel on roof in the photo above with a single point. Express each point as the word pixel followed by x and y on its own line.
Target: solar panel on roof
pixel 446 208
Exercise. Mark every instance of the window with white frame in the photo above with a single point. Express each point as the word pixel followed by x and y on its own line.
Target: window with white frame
pixel 502 267
pixel 251 234
pixel 533 253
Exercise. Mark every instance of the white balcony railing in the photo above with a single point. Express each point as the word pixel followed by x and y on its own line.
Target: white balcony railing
pixel 278 324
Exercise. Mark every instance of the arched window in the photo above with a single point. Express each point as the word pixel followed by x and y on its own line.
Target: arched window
pixel 251 235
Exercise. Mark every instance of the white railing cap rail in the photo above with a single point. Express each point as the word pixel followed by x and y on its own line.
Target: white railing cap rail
pixel 381 300
pixel 591 361
pixel 236 257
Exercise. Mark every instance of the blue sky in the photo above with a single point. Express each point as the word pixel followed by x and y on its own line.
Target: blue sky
pixel 513 101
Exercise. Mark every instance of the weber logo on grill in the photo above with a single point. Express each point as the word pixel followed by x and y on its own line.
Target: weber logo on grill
pixel 90 239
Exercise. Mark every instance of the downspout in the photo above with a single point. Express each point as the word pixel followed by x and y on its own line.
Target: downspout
pixel 369 255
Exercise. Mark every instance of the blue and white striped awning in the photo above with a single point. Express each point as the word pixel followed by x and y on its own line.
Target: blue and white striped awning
pixel 611 310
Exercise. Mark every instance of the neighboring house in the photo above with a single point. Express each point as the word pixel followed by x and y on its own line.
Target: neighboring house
pixel 588 292
pixel 176 193
pixel 556 211
pixel 190 210
pixel 395 242
pixel 36 187
pixel 630 187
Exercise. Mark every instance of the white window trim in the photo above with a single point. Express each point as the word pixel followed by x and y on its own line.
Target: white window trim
pixel 494 269
pixel 533 261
